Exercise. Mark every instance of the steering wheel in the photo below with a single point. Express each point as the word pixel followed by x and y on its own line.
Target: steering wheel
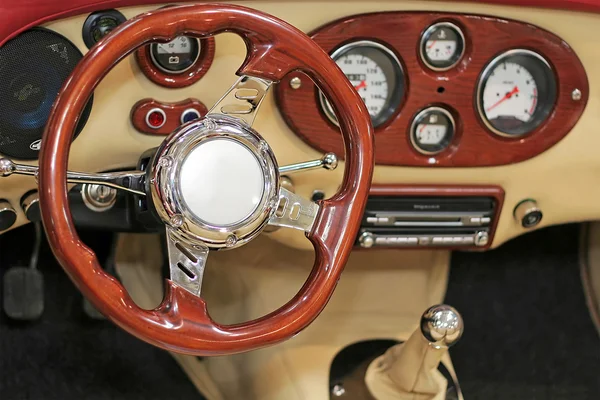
pixel 214 183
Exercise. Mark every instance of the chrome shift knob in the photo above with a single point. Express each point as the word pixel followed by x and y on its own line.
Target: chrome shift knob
pixel 442 325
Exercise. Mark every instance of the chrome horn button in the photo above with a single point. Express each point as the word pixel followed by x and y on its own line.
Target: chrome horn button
pixel 215 181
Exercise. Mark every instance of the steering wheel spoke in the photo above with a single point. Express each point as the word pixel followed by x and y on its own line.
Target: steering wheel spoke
pixel 186 262
pixel 243 99
pixel 294 211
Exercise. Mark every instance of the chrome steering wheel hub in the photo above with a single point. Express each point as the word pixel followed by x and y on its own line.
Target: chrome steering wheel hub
pixel 215 181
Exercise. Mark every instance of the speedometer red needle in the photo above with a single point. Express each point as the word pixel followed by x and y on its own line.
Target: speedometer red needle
pixel 506 97
pixel 362 84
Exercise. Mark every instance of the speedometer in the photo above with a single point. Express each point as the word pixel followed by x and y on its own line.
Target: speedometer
pixel 377 75
pixel 516 93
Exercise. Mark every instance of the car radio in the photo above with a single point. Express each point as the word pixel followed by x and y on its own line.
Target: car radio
pixel 410 218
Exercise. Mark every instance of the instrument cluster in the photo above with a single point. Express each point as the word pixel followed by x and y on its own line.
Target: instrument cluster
pixel 496 84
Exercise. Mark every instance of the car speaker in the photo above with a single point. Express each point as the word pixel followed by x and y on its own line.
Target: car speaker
pixel 33 67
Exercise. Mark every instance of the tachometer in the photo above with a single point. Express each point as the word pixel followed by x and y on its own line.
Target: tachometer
pixel 377 75
pixel 176 56
pixel 516 93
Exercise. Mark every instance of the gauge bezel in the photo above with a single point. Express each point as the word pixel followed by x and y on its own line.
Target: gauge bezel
pixel 154 46
pixel 446 141
pixel 427 34
pixel 393 102
pixel 543 110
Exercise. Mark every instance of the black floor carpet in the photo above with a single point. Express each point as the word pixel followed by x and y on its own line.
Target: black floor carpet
pixel 528 333
pixel 66 355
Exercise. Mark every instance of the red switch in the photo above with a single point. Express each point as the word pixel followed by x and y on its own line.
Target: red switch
pixel 156 118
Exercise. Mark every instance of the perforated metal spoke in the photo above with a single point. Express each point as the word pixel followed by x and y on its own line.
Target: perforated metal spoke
pixel 294 211
pixel 243 99
pixel 186 262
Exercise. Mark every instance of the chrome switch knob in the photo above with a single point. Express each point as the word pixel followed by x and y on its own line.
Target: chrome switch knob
pixel 366 240
pixel 30 204
pixel 442 325
pixel 527 213
pixel 8 215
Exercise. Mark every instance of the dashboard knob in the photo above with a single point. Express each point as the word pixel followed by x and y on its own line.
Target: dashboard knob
pixel 527 213
pixel 482 238
pixel 366 240
pixel 8 215
pixel 30 204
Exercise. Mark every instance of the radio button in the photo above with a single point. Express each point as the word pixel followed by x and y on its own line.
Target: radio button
pixel 447 240
pixel 486 220
pixel 412 240
pixel 476 221
pixel 372 220
pixel 468 239
pixel 424 240
pixel 437 240
pixel 383 220
pixel 381 240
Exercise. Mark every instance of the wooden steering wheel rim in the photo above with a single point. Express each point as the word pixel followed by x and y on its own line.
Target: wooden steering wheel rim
pixel 181 323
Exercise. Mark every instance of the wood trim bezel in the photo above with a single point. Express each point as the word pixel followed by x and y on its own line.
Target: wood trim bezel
pixel 172 111
pixel 184 79
pixel 475 145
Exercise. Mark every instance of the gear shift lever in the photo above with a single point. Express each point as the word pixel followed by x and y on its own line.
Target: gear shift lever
pixel 410 370
pixel 442 325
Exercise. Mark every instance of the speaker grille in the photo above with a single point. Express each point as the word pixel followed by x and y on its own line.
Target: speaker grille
pixel 33 67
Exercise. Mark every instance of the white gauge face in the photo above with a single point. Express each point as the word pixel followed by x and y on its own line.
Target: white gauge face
pixel 179 45
pixel 367 78
pixel 440 50
pixel 432 130
pixel 510 93
pixel 428 134
pixel 442 46
pixel 376 74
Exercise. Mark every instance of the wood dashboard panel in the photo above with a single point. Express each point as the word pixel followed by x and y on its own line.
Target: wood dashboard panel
pixel 473 144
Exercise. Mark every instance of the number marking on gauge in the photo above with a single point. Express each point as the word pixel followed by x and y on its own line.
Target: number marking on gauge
pixel 376 74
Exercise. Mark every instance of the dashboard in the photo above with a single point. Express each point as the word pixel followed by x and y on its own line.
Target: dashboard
pixel 468 100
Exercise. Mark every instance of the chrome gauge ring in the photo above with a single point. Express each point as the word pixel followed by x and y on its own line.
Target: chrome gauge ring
pixel 215 181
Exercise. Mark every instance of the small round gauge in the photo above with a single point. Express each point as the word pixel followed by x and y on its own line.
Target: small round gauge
pixel 516 93
pixel 99 24
pixel 432 130
pixel 176 56
pixel 442 46
pixel 377 75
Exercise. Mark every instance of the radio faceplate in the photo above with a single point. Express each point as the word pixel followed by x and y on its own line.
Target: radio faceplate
pixel 445 217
